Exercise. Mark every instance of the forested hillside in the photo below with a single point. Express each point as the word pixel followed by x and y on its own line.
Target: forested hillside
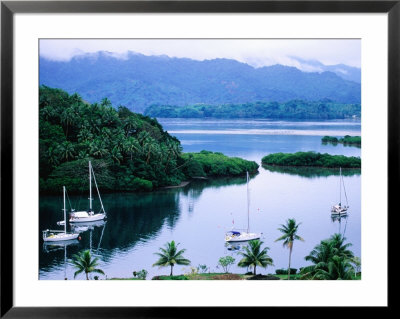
pixel 139 81
pixel 296 109
pixel 129 151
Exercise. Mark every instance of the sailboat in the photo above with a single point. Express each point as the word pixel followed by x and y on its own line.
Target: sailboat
pixel 90 215
pixel 59 235
pixel 239 235
pixel 338 209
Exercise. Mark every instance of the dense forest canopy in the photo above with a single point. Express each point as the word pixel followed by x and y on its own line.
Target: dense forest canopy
pixel 312 159
pixel 129 151
pixel 296 109
pixel 139 81
pixel 346 140
pixel 206 163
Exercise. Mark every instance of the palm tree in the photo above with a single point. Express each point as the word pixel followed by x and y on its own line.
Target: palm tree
pixel 320 257
pixel 84 263
pixel 339 268
pixel 66 150
pixel 116 155
pixel 340 247
pixel 253 256
pixel 130 145
pixel 324 253
pixel 170 256
pixel 68 117
pixel 106 102
pixel 289 236
pixel 53 156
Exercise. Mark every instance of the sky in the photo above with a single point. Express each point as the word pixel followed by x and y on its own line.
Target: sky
pixel 256 52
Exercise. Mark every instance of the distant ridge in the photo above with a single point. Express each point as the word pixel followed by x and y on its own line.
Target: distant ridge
pixel 138 81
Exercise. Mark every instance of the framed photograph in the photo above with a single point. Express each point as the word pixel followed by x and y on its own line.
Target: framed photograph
pixel 158 156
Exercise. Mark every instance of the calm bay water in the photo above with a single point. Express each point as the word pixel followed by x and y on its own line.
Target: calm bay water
pixel 197 216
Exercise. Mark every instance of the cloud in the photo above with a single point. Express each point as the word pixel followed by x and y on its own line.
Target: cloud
pixel 255 52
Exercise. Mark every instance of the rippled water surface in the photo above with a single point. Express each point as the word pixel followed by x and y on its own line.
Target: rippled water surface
pixel 196 216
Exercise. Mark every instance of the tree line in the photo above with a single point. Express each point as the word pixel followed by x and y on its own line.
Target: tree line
pixel 312 159
pixel 294 109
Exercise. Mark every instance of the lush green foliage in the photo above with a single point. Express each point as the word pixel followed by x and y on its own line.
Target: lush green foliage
pixel 170 256
pixel 226 262
pixel 295 109
pixel 346 140
pixel 331 260
pixel 139 81
pixel 179 277
pixel 142 274
pixel 289 232
pixel 129 151
pixel 253 256
pixel 330 139
pixel 311 159
pixel 84 263
pixel 282 271
pixel 202 268
pixel 207 163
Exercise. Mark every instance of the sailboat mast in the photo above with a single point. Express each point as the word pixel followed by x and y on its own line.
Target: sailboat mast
pixel 248 209
pixel 65 217
pixel 98 192
pixel 90 186
pixel 340 182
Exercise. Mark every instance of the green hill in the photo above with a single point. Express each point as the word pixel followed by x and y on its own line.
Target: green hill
pixel 129 151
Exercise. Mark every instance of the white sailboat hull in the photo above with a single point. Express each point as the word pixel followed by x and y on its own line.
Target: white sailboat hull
pixel 85 217
pixel 339 210
pixel 242 237
pixel 60 237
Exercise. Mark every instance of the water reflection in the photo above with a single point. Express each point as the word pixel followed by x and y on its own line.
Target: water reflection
pixel 132 218
pixel 344 144
pixel 139 224
pixel 339 218
pixel 312 172
pixel 61 249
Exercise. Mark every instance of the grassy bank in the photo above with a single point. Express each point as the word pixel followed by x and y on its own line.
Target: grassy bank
pixel 224 276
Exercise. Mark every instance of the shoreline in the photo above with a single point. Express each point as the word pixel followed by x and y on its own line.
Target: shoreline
pixel 310 166
pixel 183 184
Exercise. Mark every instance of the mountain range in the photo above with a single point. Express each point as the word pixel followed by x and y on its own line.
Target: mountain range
pixel 138 81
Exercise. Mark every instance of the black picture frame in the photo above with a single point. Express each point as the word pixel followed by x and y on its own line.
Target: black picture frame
pixel 9 8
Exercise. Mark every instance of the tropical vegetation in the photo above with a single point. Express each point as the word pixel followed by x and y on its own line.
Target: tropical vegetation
pixel 312 159
pixel 226 262
pixel 85 264
pixel 206 163
pixel 331 260
pixel 346 140
pixel 293 109
pixel 129 151
pixel 171 256
pixel 253 256
pixel 289 236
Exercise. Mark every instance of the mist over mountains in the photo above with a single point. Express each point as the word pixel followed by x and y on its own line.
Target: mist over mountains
pixel 138 81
